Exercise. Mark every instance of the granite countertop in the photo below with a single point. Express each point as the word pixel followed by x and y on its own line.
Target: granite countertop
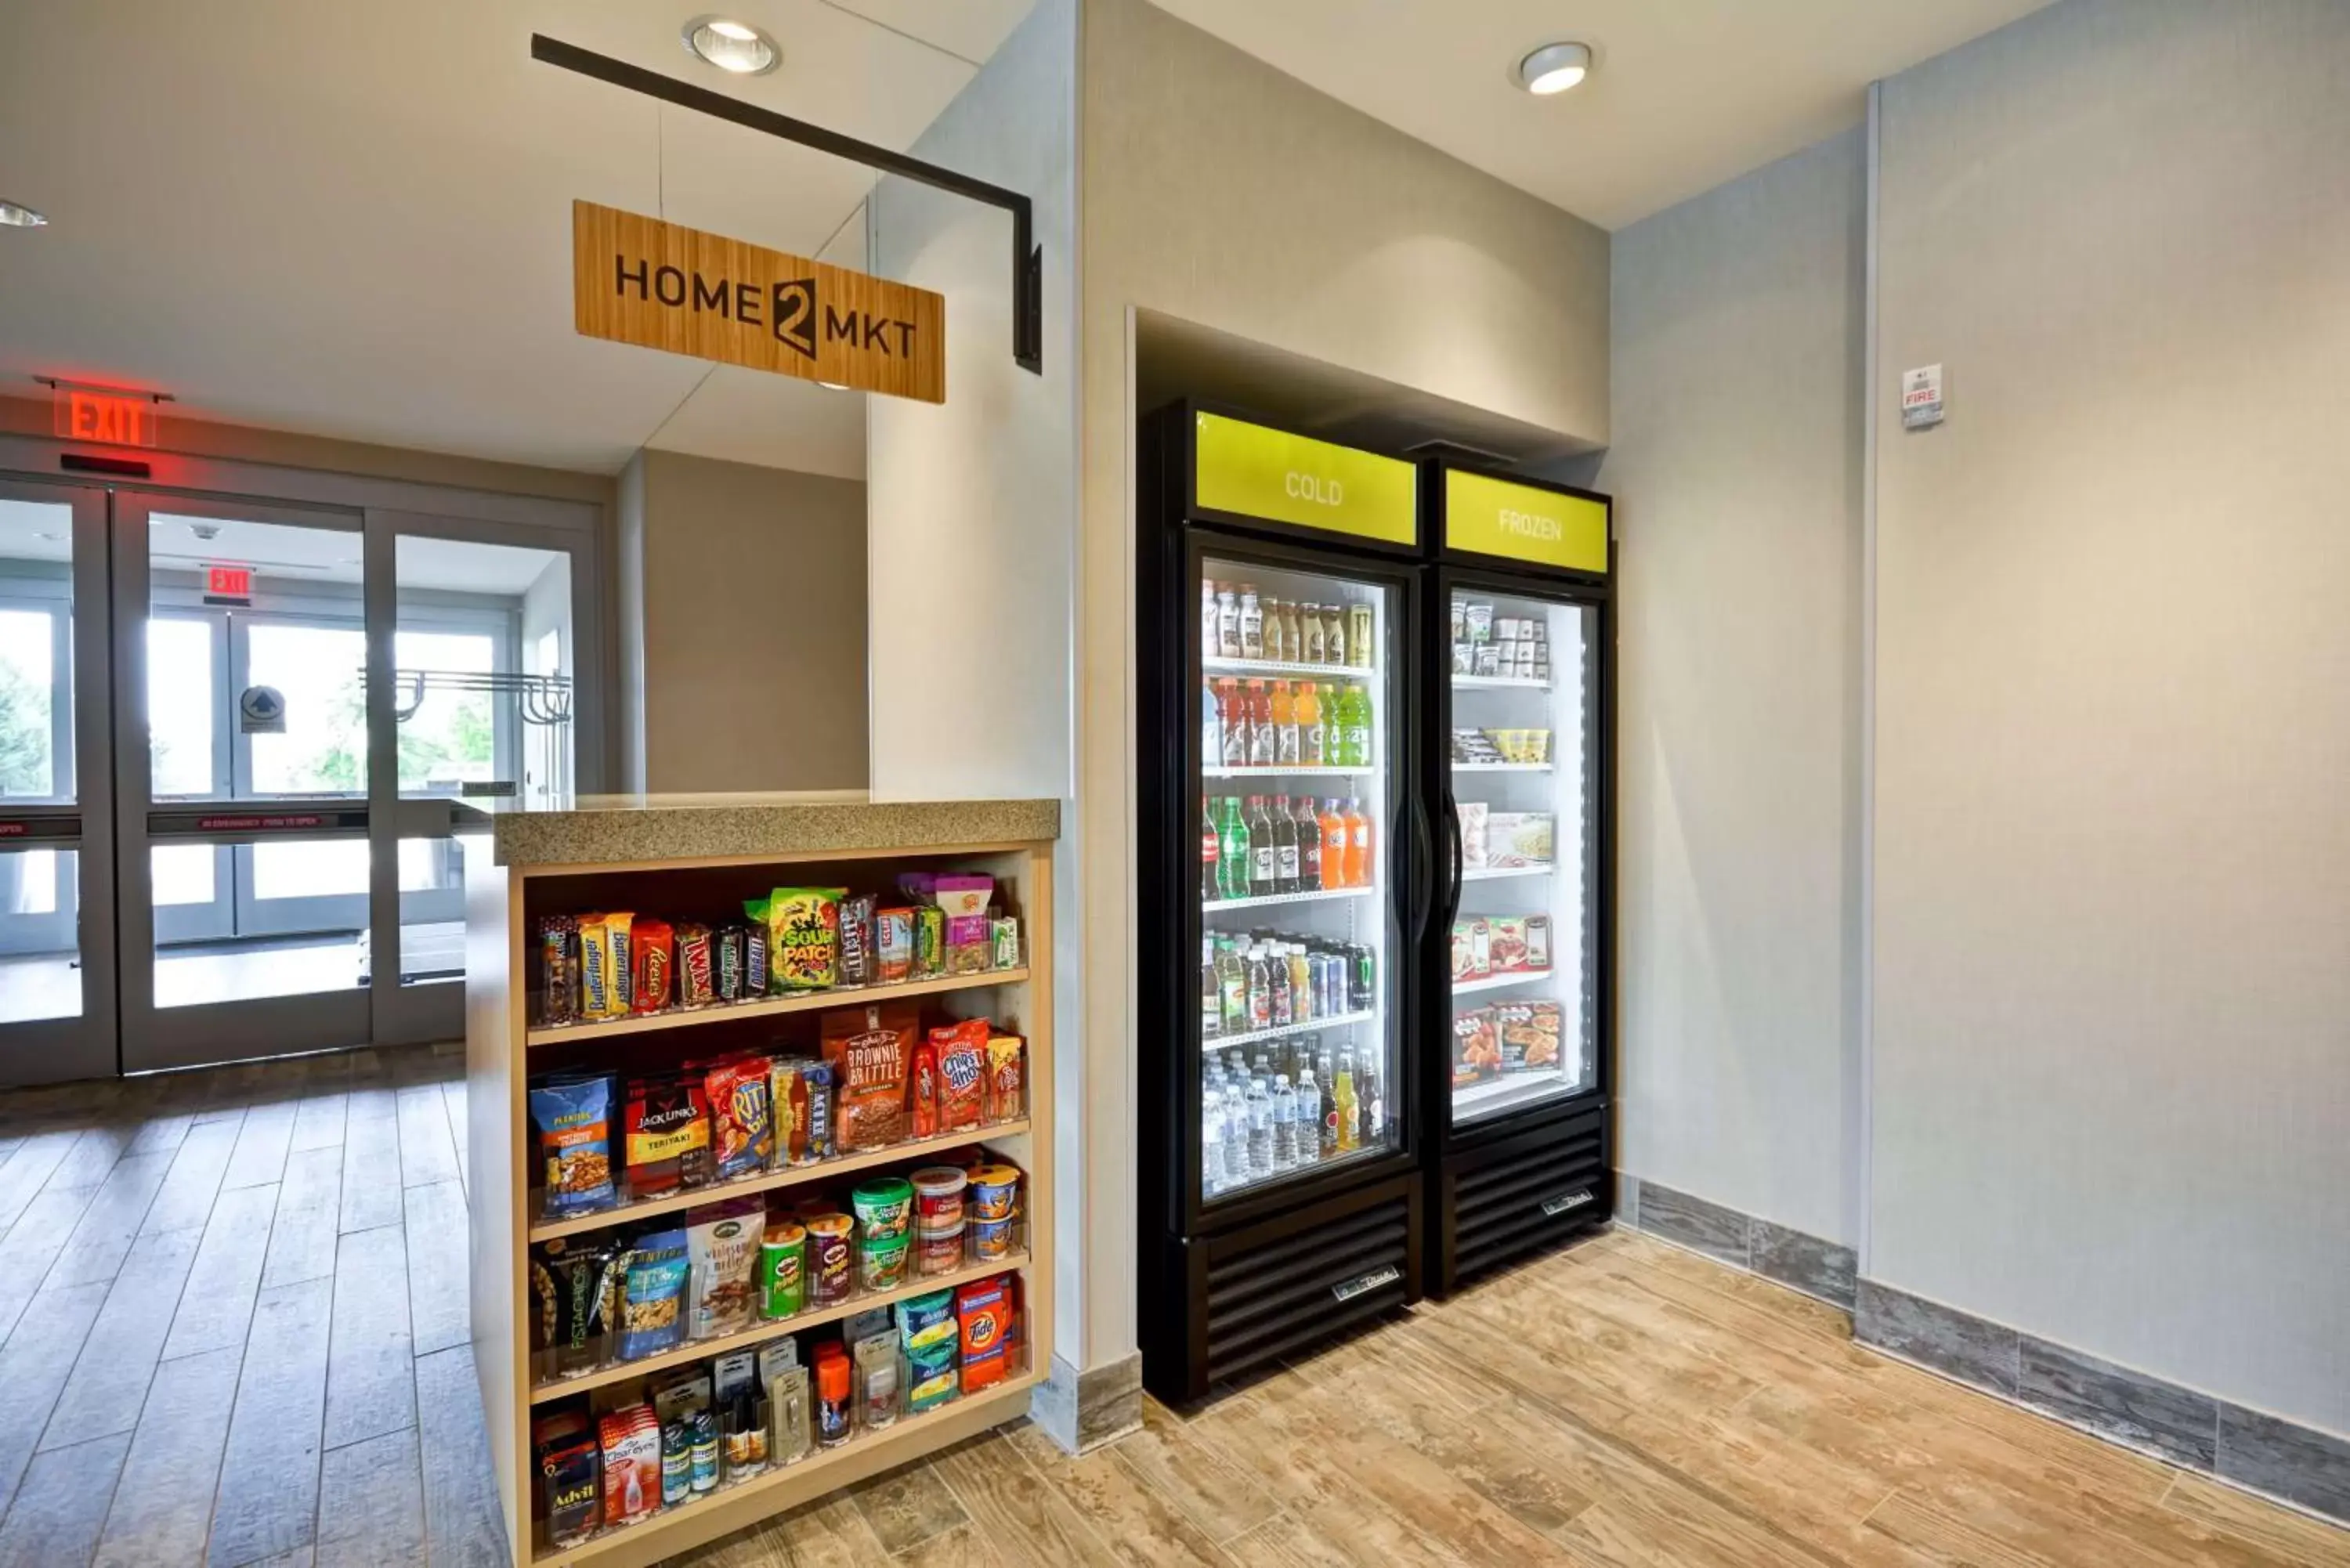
pixel 602 830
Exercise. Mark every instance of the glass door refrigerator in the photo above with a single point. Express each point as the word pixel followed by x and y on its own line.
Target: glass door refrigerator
pixel 1285 890
pixel 1519 953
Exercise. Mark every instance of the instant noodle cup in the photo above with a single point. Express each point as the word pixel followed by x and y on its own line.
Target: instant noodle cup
pixel 829 1279
pixel 939 1252
pixel 782 1271
pixel 994 1191
pixel 882 1264
pixel 938 1200
pixel 991 1239
pixel 883 1208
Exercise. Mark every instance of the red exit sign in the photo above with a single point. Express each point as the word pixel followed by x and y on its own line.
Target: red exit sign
pixel 117 418
pixel 228 585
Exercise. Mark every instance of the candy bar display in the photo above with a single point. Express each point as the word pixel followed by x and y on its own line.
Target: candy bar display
pixel 879 1078
pixel 596 968
pixel 636 1451
pixel 1487 748
pixel 731 1266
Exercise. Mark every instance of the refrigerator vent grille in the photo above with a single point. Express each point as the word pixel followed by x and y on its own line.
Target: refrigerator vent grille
pixel 1268 1298
pixel 1515 1206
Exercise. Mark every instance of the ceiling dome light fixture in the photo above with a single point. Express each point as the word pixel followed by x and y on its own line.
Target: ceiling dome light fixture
pixel 16 215
pixel 1554 69
pixel 732 46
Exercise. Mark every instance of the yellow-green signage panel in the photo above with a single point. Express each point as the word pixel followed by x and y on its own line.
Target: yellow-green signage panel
pixel 1258 472
pixel 1495 517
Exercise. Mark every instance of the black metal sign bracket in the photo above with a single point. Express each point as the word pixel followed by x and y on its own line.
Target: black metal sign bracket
pixel 1028 256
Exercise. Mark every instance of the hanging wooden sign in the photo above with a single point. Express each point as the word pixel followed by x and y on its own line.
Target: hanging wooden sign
pixel 638 280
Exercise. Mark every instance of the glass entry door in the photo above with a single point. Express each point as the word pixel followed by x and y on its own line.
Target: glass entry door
pixel 56 949
pixel 241 763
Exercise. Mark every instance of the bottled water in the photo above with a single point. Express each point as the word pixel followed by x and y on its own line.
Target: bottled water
pixel 1285 1123
pixel 1260 1130
pixel 1212 1139
pixel 1309 1117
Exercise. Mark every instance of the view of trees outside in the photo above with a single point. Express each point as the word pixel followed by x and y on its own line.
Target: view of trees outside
pixel 26 650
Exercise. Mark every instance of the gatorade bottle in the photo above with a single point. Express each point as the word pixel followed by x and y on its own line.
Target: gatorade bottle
pixel 1305 712
pixel 1232 711
pixel 1334 845
pixel 1284 726
pixel 1354 726
pixel 1263 744
pixel 1334 738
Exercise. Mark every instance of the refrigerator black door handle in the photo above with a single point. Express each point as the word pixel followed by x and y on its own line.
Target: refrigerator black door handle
pixel 1452 894
pixel 1423 869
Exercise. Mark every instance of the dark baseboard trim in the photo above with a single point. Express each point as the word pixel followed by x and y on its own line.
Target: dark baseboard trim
pixel 2300 1466
pixel 1820 1269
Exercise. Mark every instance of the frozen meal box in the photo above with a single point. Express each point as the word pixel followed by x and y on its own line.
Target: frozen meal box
pixel 1519 838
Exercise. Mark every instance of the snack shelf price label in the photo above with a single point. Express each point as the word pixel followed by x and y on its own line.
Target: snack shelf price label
pixel 1219 666
pixel 1488 873
pixel 1501 768
pixel 1497 683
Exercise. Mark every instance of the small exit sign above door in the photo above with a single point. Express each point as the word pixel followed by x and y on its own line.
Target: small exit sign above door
pixel 229 585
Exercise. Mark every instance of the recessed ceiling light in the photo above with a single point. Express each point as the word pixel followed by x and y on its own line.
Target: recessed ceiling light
pixel 14 215
pixel 1554 69
pixel 732 46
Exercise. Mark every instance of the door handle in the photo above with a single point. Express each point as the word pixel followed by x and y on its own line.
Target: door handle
pixel 1423 858
pixel 1452 822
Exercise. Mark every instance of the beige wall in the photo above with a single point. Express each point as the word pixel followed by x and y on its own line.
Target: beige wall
pixel 2112 1087
pixel 1736 469
pixel 747 653
pixel 1216 190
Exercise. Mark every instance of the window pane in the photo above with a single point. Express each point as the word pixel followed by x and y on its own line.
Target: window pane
pixel 180 736
pixel 27 645
pixel 183 874
pixel 310 869
pixel 320 670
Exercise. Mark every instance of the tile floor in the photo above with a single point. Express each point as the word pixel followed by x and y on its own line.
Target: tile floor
pixel 233 1333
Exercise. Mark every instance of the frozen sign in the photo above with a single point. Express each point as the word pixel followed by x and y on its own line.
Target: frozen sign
pixel 1532 524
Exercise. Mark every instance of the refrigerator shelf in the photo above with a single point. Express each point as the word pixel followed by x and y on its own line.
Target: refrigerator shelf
pixel 1495 981
pixel 1515 1089
pixel 1497 683
pixel 1504 767
pixel 1288 667
pixel 1277 772
pixel 1269 900
pixel 1335 1020
pixel 1487 873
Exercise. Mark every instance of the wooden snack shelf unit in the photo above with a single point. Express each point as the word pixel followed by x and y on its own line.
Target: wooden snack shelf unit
pixel 503 1050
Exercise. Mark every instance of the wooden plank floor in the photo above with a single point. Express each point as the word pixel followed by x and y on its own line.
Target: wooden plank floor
pixel 232 1333
pixel 234 1309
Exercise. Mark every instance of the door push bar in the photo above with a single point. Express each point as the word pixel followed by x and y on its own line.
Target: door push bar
pixel 1028 256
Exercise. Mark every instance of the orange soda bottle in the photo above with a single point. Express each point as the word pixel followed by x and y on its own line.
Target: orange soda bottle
pixel 1334 845
pixel 1359 844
